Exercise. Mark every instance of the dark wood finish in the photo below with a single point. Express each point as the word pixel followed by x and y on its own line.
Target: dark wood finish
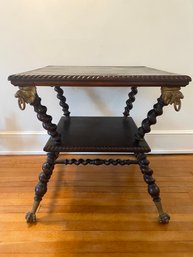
pixel 98 134
pixel 62 98
pixel 96 161
pixel 46 120
pixel 151 119
pixel 98 76
pixel 130 101
pixel 41 187
pixel 93 134
pixel 153 188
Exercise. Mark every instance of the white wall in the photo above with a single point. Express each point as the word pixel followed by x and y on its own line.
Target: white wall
pixel 155 33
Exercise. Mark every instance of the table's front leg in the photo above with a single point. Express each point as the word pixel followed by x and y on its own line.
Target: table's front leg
pixel 28 95
pixel 153 188
pixel 168 96
pixel 41 187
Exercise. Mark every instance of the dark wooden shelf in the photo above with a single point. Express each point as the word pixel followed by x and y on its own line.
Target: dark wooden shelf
pixel 97 134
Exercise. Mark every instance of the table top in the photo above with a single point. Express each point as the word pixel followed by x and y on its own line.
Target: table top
pixel 102 76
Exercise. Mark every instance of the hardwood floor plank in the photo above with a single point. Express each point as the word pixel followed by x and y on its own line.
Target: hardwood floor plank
pixel 89 225
pixel 102 255
pixel 124 217
pixel 96 195
pixel 96 211
pixel 97 247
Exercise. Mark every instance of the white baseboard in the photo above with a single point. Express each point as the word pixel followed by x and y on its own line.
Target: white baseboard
pixel 32 142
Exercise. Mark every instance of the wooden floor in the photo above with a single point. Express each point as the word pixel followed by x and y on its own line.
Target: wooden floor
pixel 100 211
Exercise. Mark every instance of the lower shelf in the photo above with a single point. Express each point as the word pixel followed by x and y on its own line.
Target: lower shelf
pixel 97 134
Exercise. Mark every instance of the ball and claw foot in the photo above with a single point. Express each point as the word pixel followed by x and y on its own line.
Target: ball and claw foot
pixel 164 218
pixel 30 217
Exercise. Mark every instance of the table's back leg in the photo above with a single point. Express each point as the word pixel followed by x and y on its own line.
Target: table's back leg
pixel 41 187
pixel 62 98
pixel 130 101
pixel 153 189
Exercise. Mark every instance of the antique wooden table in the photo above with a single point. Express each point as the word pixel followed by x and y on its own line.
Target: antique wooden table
pixel 98 134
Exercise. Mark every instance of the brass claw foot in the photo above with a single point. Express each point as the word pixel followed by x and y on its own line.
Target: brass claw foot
pixel 164 218
pixel 30 217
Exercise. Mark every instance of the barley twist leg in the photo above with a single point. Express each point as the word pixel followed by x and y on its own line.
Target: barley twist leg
pixel 41 187
pixel 62 98
pixel 153 189
pixel 130 101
